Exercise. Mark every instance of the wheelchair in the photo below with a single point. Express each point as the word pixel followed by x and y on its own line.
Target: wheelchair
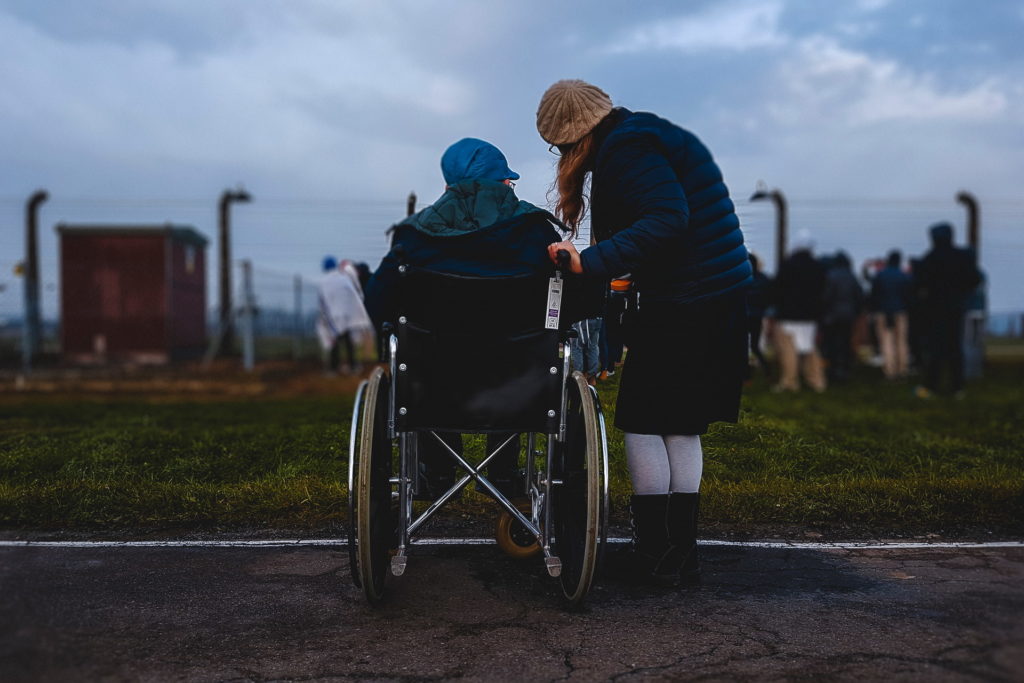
pixel 478 355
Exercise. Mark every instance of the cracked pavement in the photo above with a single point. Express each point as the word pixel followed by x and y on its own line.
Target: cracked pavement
pixel 259 614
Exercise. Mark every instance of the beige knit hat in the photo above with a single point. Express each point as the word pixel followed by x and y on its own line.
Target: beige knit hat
pixel 569 110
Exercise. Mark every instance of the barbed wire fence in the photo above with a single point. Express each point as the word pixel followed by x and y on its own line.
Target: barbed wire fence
pixel 284 237
pixel 287 308
pixel 273 315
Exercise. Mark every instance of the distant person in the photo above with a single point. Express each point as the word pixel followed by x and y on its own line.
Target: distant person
pixel 797 296
pixel 890 301
pixel 363 269
pixel 619 304
pixel 758 301
pixel 944 280
pixel 348 268
pixel 916 324
pixel 842 302
pixel 363 336
pixel 660 210
pixel 374 342
pixel 606 363
pixel 868 270
pixel 341 317
pixel 974 329
pixel 585 348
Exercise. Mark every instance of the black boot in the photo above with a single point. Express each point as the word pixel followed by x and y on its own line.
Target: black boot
pixel 636 562
pixel 681 560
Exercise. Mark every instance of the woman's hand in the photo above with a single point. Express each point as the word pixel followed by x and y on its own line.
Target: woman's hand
pixel 575 265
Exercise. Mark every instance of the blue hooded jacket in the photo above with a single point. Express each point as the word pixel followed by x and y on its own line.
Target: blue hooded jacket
pixel 891 290
pixel 661 211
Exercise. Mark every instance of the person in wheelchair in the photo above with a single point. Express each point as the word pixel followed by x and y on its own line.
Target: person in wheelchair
pixel 478 227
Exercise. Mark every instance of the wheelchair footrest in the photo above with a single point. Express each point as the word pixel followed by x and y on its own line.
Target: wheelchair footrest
pixel 398 563
pixel 554 566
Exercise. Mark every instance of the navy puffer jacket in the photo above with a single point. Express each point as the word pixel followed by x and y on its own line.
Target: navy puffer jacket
pixel 661 211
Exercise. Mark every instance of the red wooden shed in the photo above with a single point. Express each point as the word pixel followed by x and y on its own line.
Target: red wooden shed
pixel 132 292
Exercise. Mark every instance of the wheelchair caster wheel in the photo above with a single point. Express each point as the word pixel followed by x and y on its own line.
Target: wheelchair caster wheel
pixel 513 539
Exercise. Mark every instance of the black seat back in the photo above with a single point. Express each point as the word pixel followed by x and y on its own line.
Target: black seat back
pixel 476 354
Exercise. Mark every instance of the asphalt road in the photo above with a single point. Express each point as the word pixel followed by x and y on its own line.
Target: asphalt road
pixel 241 614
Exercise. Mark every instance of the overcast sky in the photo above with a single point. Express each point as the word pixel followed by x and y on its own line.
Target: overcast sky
pixel 330 112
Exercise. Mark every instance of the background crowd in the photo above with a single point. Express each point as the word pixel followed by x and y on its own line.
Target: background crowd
pixel 916 316
pixel 910 317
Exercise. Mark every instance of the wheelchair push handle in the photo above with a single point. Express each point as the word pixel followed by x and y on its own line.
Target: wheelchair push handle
pixel 562 259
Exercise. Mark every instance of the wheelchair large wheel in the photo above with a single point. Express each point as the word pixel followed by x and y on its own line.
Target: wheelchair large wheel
pixel 376 512
pixel 578 502
pixel 353 468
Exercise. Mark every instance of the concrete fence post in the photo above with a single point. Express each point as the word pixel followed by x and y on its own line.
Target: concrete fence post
pixel 32 330
pixel 248 314
pixel 297 334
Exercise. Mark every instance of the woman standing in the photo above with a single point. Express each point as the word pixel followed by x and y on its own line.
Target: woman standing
pixel 660 211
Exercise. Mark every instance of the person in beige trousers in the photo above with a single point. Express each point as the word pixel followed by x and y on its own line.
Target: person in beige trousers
pixel 890 292
pixel 798 355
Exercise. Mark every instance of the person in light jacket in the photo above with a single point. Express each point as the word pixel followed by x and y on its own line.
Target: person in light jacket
pixel 342 319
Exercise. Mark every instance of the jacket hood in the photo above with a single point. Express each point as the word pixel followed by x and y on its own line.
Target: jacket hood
pixel 470 206
pixel 471 158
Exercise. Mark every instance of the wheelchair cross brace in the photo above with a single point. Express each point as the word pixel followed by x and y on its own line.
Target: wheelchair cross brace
pixel 399 560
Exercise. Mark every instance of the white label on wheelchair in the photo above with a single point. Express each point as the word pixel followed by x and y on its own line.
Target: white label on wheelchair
pixel 554 303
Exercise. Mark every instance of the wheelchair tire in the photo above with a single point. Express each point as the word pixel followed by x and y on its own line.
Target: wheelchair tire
pixel 513 539
pixel 604 483
pixel 375 508
pixel 578 503
pixel 353 468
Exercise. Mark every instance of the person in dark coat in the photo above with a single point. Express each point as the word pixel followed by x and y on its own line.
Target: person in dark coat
pixel 797 296
pixel 478 227
pixel 661 212
pixel 843 300
pixel 890 301
pixel 758 301
pixel 943 281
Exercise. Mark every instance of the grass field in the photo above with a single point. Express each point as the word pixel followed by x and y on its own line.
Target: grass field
pixel 863 459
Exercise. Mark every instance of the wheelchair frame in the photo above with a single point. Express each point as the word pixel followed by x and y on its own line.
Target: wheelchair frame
pixel 569 528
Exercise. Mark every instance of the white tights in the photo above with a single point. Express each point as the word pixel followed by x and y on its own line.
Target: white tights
pixel 672 463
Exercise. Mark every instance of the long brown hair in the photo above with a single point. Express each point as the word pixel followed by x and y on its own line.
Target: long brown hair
pixel 571 182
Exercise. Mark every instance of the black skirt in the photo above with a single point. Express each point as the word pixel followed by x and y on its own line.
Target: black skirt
pixel 685 367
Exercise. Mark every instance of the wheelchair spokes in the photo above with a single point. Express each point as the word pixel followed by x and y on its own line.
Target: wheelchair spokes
pixel 353 468
pixel 375 507
pixel 577 500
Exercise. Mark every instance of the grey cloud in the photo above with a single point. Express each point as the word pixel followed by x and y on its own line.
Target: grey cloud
pixel 355 101
pixel 737 26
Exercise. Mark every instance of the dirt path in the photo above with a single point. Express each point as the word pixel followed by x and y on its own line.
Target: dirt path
pixel 468 612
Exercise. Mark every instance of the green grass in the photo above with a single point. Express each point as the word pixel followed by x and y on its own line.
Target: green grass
pixel 866 457
pixel 89 464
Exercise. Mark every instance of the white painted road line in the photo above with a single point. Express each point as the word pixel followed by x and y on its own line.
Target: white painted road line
pixel 849 545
